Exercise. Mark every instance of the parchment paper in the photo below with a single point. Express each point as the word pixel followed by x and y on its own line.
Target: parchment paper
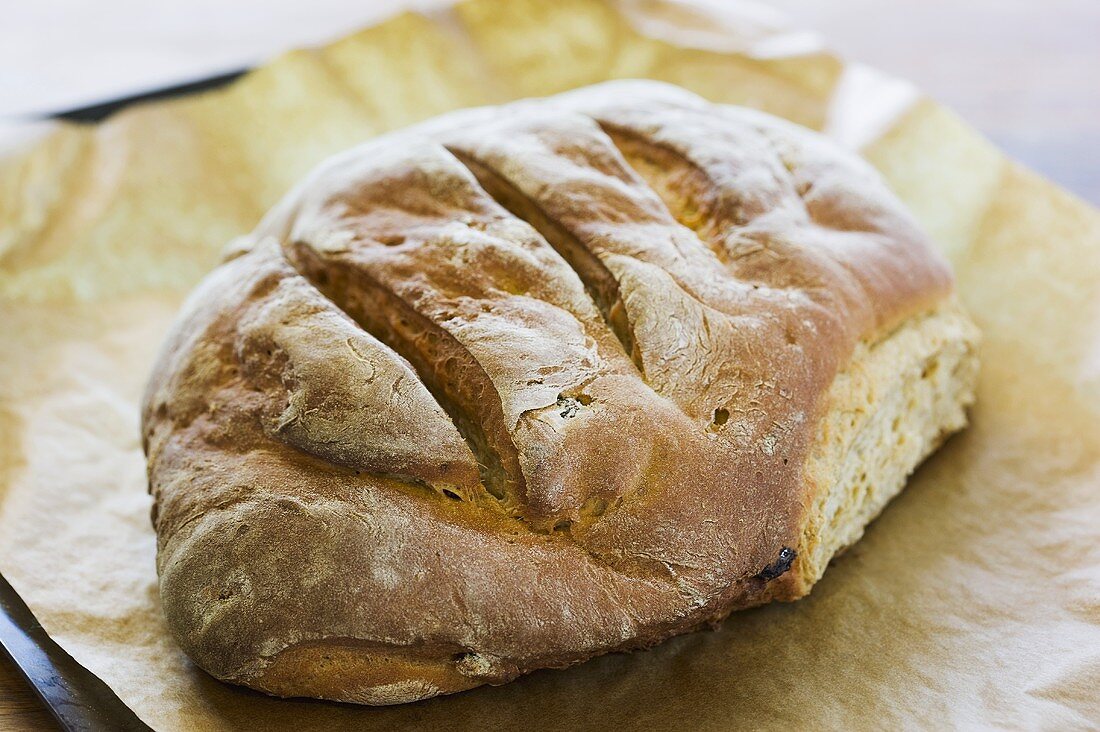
pixel 973 601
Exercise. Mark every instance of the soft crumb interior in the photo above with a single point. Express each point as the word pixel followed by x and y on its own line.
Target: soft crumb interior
pixel 896 403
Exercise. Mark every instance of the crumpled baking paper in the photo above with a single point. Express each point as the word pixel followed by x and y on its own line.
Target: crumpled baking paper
pixel 973 601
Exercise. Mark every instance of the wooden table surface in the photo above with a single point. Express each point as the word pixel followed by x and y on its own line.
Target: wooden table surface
pixel 1022 71
pixel 20 709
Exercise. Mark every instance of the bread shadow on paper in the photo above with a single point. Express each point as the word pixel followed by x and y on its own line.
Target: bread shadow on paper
pixel 757 669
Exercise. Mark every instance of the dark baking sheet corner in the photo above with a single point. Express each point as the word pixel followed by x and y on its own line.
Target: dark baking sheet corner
pixel 78 700
pixel 102 110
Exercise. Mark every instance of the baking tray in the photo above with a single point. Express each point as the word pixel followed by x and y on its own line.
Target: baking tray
pixel 77 698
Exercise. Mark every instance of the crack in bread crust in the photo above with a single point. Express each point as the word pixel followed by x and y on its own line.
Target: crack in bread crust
pixel 520 386
pixel 432 352
pixel 601 285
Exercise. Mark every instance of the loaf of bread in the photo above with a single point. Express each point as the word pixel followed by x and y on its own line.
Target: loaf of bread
pixel 527 384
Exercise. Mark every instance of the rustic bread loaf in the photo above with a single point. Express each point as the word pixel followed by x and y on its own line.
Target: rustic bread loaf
pixel 528 384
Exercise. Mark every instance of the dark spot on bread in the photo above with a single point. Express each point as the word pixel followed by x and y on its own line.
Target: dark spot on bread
pixel 779 566
pixel 568 406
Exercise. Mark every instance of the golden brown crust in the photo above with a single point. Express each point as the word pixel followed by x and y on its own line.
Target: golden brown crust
pixel 521 386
